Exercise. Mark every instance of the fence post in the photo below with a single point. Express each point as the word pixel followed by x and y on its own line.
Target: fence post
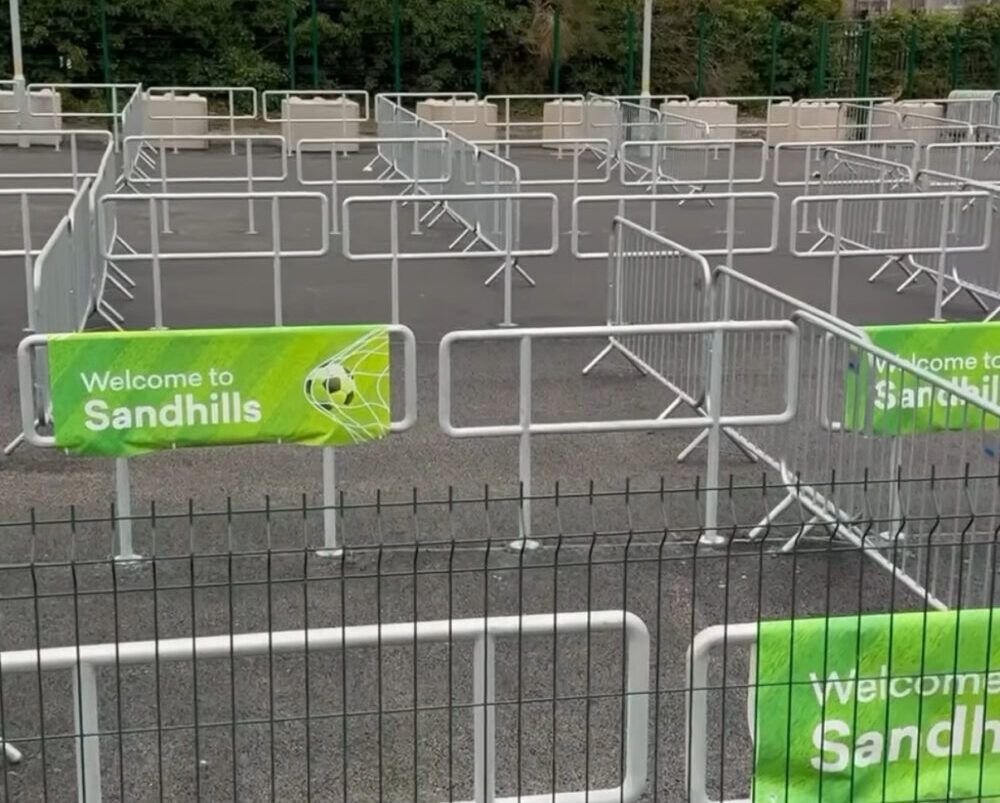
pixel 479 51
pixel 822 51
pixel 397 45
pixel 775 36
pixel 956 60
pixel 630 52
pixel 865 61
pixel 556 55
pixel 105 53
pixel 911 61
pixel 702 34
pixel 314 41
pixel 291 45
pixel 996 58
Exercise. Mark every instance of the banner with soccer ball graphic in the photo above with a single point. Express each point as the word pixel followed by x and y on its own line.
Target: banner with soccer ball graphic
pixel 125 393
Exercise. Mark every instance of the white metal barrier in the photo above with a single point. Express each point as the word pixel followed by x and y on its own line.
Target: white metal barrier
pixel 72 171
pixel 976 160
pixel 156 255
pixel 735 243
pixel 800 164
pixel 84 662
pixel 419 164
pixel 895 226
pixel 506 205
pixel 694 164
pixel 714 419
pixel 156 148
pixel 577 148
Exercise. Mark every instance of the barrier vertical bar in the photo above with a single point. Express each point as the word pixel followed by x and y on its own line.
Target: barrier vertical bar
pixel 29 272
pixel 334 192
pixel 394 263
pixel 397 54
pixel 711 537
pixel 942 261
pixel 251 221
pixel 123 501
pixel 85 717
pixel 276 242
pixel 508 266
pixel 314 41
pixel 331 542
pixel 154 256
pixel 556 56
pixel 479 51
pixel 484 717
pixel 525 542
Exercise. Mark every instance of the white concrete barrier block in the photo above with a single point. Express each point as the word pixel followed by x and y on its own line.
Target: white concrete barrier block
pixel 601 121
pixel 780 123
pixel 565 119
pixel 320 118
pixel 45 106
pixel 719 115
pixel 819 121
pixel 920 129
pixel 184 115
pixel 471 119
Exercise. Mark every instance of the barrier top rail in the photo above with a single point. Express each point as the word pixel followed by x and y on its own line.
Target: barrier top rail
pixel 345 95
pixel 942 178
pixel 230 91
pixel 528 334
pixel 939 123
pixel 864 159
pixel 661 166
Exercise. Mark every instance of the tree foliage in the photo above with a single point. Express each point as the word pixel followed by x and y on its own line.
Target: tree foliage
pixel 733 47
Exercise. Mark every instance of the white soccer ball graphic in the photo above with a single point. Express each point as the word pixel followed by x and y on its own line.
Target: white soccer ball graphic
pixel 330 385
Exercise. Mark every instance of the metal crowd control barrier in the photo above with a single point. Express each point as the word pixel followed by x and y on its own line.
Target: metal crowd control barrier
pixel 156 255
pixel 694 164
pixel 235 96
pixel 28 251
pixel 507 206
pixel 976 160
pixel 33 373
pixel 714 418
pixel 576 147
pixel 417 161
pixel 896 226
pixel 750 244
pixel 114 114
pixel 133 125
pixel 394 122
pixel 800 164
pixel 84 662
pixel 976 276
pixel 74 173
pixel 847 173
pixel 157 147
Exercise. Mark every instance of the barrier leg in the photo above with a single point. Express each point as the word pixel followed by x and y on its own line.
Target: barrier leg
pixel 764 526
pixel 123 498
pixel 119 286
pixel 13 755
pixel 517 267
pixel 331 544
pixel 730 433
pixel 10 447
pixel 613 346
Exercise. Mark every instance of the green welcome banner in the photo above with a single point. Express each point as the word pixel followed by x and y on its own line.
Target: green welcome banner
pixel 124 393
pixel 896 402
pixel 878 709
